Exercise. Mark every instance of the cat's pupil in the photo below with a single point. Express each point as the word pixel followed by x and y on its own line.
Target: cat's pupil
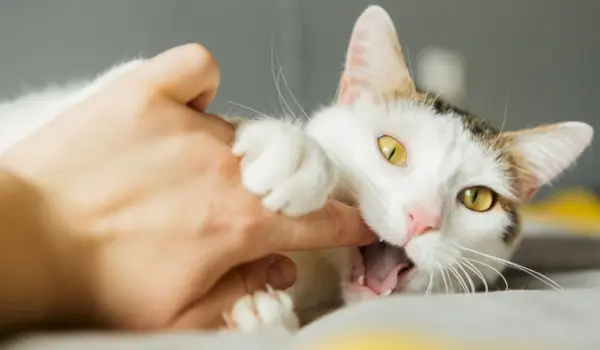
pixel 475 194
pixel 392 153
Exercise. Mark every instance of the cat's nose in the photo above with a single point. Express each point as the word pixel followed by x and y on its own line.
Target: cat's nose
pixel 421 221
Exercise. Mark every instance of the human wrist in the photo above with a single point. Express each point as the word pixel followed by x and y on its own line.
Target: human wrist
pixel 41 264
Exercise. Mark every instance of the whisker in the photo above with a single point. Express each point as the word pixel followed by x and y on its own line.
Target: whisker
pixel 523 171
pixel 476 271
pixel 250 109
pixel 450 282
pixel 501 128
pixel 434 98
pixel 275 81
pixel 282 101
pixel 459 278
pixel 471 284
pixel 444 278
pixel 491 268
pixel 541 277
pixel 429 287
pixel 289 90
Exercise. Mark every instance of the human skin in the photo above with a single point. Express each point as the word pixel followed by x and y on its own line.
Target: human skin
pixel 127 211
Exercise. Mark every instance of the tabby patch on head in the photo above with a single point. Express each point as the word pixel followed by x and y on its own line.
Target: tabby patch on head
pixel 440 186
pixel 489 136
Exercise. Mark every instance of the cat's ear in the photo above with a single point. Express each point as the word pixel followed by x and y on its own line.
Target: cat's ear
pixel 374 61
pixel 544 152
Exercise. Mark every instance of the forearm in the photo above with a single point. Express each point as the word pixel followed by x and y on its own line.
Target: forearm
pixel 33 278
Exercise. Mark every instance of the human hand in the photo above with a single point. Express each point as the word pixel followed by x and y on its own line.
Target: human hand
pixel 151 224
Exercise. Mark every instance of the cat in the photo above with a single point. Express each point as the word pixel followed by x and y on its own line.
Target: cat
pixel 440 186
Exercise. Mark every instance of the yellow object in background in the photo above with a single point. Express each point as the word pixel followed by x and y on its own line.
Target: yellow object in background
pixel 381 341
pixel 575 210
pixel 394 340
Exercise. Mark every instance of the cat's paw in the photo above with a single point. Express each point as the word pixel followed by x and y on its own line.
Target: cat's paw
pixel 270 311
pixel 284 166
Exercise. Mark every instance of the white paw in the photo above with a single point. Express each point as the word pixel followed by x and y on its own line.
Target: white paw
pixel 271 311
pixel 284 166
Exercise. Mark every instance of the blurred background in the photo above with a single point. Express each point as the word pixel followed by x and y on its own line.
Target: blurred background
pixel 538 60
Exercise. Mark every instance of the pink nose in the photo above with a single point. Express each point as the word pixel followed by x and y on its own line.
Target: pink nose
pixel 421 221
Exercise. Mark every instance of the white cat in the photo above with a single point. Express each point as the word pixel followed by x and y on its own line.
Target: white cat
pixel 24 115
pixel 438 185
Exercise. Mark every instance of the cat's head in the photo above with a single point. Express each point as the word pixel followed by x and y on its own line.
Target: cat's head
pixel 436 182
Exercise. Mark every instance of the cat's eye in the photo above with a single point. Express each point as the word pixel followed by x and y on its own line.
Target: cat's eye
pixel 478 198
pixel 392 150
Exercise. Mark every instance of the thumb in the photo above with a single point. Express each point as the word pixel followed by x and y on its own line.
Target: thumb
pixel 187 74
pixel 335 225
pixel 275 270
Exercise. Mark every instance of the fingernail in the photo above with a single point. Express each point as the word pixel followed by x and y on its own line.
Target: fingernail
pixel 281 273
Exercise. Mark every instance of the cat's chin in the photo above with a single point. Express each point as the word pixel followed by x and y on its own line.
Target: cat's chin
pixel 378 270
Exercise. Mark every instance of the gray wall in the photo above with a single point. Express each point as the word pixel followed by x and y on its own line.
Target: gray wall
pixel 57 40
pixel 540 56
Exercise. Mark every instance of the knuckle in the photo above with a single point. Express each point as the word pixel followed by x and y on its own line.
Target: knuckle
pixel 249 223
pixel 226 164
pixel 141 104
pixel 199 55
pixel 330 213
pixel 195 50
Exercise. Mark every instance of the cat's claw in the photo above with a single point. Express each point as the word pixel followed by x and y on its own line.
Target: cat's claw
pixel 360 280
pixel 271 311
pixel 284 166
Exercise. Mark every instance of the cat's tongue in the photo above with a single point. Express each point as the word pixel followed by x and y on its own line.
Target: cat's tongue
pixel 382 263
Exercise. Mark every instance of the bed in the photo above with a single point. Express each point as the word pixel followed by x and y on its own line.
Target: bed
pixel 528 316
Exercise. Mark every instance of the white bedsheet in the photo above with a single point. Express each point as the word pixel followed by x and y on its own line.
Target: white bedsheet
pixel 553 320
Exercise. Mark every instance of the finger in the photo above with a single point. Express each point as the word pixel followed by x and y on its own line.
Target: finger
pixel 188 74
pixel 335 225
pixel 218 128
pixel 276 271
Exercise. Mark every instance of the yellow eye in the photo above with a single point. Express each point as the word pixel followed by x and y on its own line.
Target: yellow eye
pixel 478 198
pixel 392 150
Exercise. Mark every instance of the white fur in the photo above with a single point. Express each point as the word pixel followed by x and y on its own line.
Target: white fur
pixel 296 168
pixel 24 115
pixel 550 151
pixel 443 158
pixel 273 310
pixel 299 184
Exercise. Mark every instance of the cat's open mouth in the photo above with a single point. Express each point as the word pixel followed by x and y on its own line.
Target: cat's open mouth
pixel 381 267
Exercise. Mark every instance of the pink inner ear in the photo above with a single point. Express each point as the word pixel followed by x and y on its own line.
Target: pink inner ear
pixel 529 193
pixel 345 96
pixel 374 62
pixel 528 188
pixel 351 84
pixel 350 90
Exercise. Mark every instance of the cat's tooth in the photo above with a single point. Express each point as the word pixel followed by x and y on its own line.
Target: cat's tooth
pixel 386 293
pixel 361 280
